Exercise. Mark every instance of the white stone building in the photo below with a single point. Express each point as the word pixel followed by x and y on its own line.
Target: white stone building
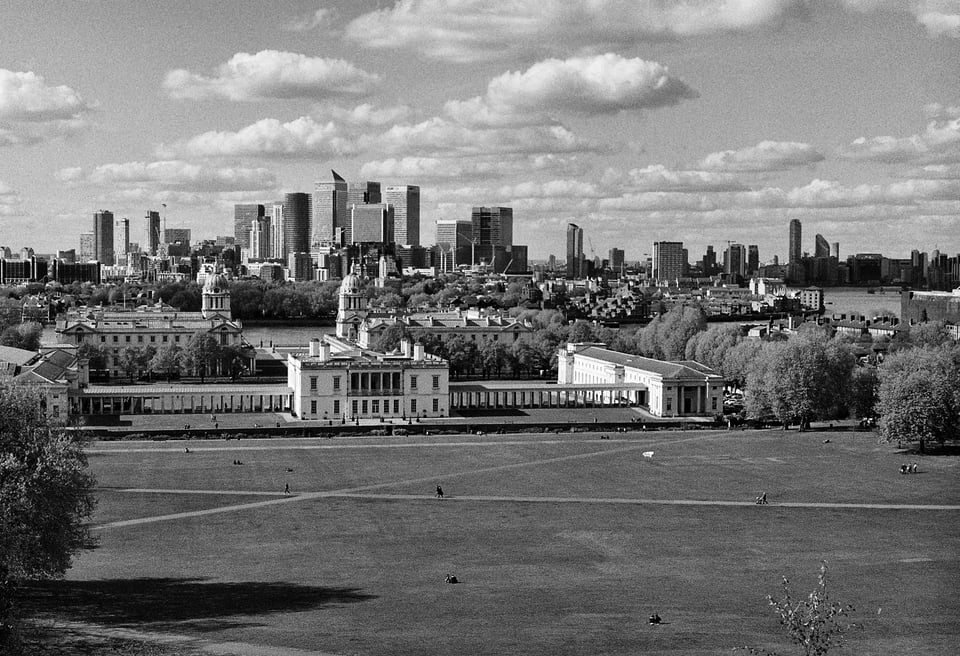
pixel 673 389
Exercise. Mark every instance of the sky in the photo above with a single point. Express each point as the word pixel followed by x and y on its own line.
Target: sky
pixel 702 121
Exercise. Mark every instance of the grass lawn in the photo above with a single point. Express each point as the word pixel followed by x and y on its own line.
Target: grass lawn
pixel 555 539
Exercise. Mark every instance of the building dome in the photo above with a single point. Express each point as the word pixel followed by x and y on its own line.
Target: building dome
pixel 351 284
pixel 216 284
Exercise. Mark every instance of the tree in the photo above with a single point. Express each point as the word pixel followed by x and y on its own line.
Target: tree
pixel 130 361
pixel 201 352
pixel 863 391
pixel 918 398
pixel 24 336
pixel 813 624
pixel 46 496
pixel 797 381
pixel 95 355
pixel 166 361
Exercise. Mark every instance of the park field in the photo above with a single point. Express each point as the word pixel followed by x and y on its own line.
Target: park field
pixel 562 544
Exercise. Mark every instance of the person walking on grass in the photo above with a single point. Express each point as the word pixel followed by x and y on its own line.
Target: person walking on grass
pixel 286 488
pixel 439 492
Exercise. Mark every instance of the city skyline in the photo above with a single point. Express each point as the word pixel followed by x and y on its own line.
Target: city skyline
pixel 701 122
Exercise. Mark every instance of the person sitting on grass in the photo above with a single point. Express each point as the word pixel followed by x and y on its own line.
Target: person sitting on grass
pixel 655 619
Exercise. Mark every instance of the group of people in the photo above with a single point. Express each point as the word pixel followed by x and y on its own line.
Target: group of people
pixel 761 499
pixel 238 462
pixel 910 468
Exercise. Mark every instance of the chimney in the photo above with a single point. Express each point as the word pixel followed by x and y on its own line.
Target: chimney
pixel 418 352
pixel 314 347
pixel 407 348
pixel 324 352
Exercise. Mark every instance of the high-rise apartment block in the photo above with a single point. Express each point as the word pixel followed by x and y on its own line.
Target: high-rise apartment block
pixel 736 260
pixel 372 223
pixel 103 236
pixel 821 247
pixel 243 218
pixel 406 213
pixel 753 259
pixel 296 223
pixel 574 251
pixel 616 258
pixel 668 260
pixel 151 232
pixel 277 239
pixel 259 239
pixel 796 248
pixel 330 219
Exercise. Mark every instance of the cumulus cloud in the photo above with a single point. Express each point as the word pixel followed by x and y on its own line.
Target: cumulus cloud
pixel 441 137
pixel 272 74
pixel 765 156
pixel 175 174
pixel 365 115
pixel 938 143
pixel 661 178
pixel 470 30
pixel 601 84
pixel 300 138
pixel 939 17
pixel 25 96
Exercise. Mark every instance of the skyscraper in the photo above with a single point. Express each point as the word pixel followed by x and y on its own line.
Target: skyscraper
pixel 492 226
pixel 103 236
pixel 668 262
pixel 275 214
pixel 87 251
pixel 330 216
pixel 821 247
pixel 406 213
pixel 363 193
pixel 296 223
pixel 616 256
pixel 260 239
pixel 121 236
pixel 574 251
pixel 455 242
pixel 796 250
pixel 736 260
pixel 151 232
pixel 372 223
pixel 753 259
pixel 243 218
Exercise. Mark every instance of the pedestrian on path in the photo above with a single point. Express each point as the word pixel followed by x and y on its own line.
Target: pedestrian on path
pixel 439 492
pixel 286 488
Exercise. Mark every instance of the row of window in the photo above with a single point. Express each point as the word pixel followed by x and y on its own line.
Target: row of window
pixel 372 406
pixel 153 338
pixel 336 382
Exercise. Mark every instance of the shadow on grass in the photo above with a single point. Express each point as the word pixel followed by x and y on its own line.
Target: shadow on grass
pixel 186 602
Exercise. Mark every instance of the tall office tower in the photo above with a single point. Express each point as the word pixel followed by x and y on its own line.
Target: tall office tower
pixel 795 251
pixel 243 218
pixel 492 226
pixel 103 236
pixel 616 258
pixel 259 239
pixel 372 223
pixel 87 252
pixel 821 248
pixel 709 264
pixel 736 260
pixel 668 261
pixel 406 213
pixel 121 236
pixel 574 251
pixel 753 259
pixel 151 232
pixel 177 235
pixel 296 223
pixel 835 250
pixel 275 214
pixel 330 219
pixel 455 242
pixel 363 193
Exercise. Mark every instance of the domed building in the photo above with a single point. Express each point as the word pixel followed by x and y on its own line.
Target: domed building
pixel 352 309
pixel 216 297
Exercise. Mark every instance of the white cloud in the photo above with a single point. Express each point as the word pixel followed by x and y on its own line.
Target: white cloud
pixel 938 143
pixel 660 178
pixel 175 174
pixel 939 17
pixel 470 30
pixel 765 156
pixel 365 114
pixel 440 137
pixel 601 84
pixel 272 74
pixel 300 138
pixel 10 202
pixel 27 97
pixel 321 17
pixel 935 172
